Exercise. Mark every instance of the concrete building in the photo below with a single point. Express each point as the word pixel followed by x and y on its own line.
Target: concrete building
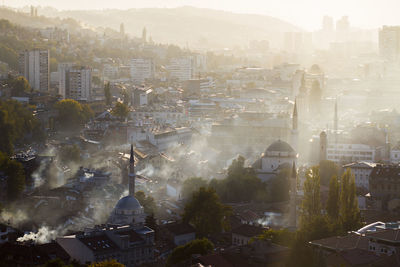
pixel 347 153
pixel 389 42
pixel 181 68
pixel 126 244
pixel 142 69
pixel 34 65
pixel 361 171
pixel 75 82
pixel 384 182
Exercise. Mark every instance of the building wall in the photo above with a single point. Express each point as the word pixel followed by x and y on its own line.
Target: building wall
pixel 240 240
pixel 141 69
pixel 34 66
pixel 181 240
pixel 347 153
pixel 76 249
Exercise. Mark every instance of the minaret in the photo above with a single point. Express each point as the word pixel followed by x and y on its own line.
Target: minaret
pixel 292 203
pixel 295 132
pixel 335 123
pixel 131 174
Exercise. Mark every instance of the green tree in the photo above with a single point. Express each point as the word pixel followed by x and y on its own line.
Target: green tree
pixel 281 237
pixel 70 153
pixel 327 169
pixel 241 184
pixel 125 97
pixel 206 213
pixel 107 94
pixel 311 205
pixel 71 113
pixel 191 185
pixel 183 253
pixel 280 186
pixel 147 202
pixel 15 175
pixel 19 86
pixel 107 263
pixel 120 110
pixel 333 203
pixel 349 212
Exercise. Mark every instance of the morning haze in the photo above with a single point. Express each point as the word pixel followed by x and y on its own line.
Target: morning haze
pixel 199 133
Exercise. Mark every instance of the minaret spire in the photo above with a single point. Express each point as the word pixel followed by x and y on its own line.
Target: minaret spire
pixel 294 133
pixel 131 173
pixel 292 202
pixel 335 123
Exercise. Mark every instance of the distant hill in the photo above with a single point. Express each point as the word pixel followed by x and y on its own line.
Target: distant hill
pixel 186 25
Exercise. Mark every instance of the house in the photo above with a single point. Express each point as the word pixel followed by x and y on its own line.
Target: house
pixel 179 233
pixel 244 233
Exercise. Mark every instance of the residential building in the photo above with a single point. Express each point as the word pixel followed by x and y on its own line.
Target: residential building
pixel 34 65
pixel 142 69
pixel 181 68
pixel 384 182
pixel 361 171
pixel 347 153
pixel 389 42
pixel 244 233
pixel 179 233
pixel 126 244
pixel 75 82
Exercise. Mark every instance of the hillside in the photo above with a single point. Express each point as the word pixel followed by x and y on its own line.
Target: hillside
pixel 186 25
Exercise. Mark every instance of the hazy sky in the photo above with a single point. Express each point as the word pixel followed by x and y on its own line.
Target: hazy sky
pixel 304 13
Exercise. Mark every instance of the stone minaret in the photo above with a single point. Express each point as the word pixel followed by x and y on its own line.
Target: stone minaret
pixel 131 174
pixel 323 143
pixel 335 123
pixel 295 132
pixel 292 203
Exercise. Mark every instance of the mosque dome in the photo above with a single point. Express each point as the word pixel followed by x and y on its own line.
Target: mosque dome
pixel 128 203
pixel 315 69
pixel 280 146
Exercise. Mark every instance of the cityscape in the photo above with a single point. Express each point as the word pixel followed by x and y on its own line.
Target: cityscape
pixel 199 133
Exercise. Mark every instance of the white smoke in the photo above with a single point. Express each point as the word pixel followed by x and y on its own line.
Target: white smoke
pixel 13 218
pixel 43 235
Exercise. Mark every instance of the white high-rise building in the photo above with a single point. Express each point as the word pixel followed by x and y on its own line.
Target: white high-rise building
pixel 142 69
pixel 389 42
pixel 181 68
pixel 34 66
pixel 75 82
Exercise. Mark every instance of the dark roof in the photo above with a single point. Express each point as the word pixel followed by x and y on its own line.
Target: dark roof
pixel 359 256
pixel 13 254
pixel 54 250
pixel 177 228
pixel 128 203
pixel 339 243
pixel 392 235
pixel 383 171
pixel 133 236
pixel 279 146
pixel 98 243
pixel 248 230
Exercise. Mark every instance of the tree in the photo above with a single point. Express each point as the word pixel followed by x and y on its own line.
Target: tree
pixel 349 212
pixel 17 124
pixel 107 93
pixel 191 185
pixel 183 253
pixel 333 203
pixel 14 172
pixel 147 202
pixel 327 169
pixel 72 114
pixel 125 97
pixel 19 86
pixel 206 213
pixel 311 205
pixel 107 263
pixel 281 237
pixel 280 186
pixel 120 110
pixel 70 153
pixel 241 184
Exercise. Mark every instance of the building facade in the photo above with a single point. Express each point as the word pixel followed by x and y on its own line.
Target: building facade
pixel 181 68
pixel 34 65
pixel 75 82
pixel 142 69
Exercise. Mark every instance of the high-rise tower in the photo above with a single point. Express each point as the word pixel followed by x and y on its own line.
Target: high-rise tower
pixel 335 123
